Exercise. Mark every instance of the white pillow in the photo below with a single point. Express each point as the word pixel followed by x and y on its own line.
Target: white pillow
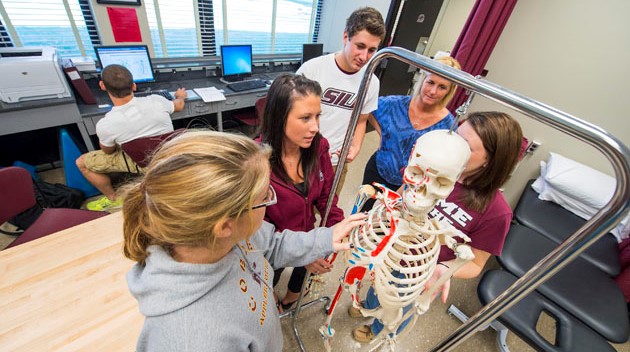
pixel 577 188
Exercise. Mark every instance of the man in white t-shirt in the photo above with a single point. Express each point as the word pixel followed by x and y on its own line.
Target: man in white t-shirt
pixel 340 75
pixel 129 119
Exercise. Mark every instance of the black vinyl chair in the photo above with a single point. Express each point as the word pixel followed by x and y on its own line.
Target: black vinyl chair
pixel 589 309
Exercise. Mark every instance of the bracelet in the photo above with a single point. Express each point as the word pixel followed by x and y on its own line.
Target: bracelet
pixel 447 267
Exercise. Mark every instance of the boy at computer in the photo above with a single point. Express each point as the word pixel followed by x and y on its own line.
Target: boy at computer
pixel 129 119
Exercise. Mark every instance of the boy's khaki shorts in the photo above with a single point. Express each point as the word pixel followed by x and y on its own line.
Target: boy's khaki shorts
pixel 99 162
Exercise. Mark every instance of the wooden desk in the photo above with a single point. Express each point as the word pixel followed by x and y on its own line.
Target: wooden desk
pixel 67 292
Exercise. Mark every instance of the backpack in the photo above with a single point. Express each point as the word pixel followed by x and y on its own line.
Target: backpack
pixel 57 195
pixel 48 195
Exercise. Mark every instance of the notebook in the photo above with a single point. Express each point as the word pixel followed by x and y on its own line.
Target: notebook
pixel 209 94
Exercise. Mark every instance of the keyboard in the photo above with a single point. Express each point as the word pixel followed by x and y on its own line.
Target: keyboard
pixel 247 85
pixel 163 93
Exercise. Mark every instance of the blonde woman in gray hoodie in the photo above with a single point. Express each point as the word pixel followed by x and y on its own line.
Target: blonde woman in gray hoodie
pixel 205 257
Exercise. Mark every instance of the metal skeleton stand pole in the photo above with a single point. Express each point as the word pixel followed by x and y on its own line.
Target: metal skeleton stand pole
pixel 608 217
pixel 354 118
pixel 461 110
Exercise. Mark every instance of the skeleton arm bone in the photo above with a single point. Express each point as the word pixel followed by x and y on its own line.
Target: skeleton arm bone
pixel 464 255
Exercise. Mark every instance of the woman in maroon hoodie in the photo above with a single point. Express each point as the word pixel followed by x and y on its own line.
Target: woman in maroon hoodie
pixel 301 171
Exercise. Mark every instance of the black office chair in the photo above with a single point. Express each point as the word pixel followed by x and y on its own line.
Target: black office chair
pixel 588 307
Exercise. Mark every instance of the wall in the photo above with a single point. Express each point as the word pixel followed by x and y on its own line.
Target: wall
pixel 572 55
pixel 105 28
pixel 450 22
pixel 334 14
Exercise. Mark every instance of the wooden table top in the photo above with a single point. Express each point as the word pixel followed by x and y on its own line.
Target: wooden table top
pixel 67 292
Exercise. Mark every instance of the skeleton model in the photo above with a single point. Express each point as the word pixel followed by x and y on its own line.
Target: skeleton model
pixel 398 247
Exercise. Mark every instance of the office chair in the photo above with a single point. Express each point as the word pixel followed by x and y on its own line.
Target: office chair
pixel 141 149
pixel 17 195
pixel 253 118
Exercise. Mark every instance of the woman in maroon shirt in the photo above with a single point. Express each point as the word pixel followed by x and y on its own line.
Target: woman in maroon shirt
pixel 301 171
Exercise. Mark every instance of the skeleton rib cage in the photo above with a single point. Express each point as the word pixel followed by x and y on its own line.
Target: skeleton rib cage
pixel 412 256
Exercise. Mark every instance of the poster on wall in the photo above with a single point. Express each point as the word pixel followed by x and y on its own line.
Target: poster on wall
pixel 120 2
pixel 124 22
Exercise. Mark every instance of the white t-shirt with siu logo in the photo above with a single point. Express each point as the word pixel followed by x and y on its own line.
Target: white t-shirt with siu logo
pixel 339 95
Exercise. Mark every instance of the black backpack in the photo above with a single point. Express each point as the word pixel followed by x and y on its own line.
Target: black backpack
pixel 48 195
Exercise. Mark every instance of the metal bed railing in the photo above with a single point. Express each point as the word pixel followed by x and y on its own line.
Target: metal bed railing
pixel 614 150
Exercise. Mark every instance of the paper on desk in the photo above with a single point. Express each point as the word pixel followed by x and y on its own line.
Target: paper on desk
pixel 209 94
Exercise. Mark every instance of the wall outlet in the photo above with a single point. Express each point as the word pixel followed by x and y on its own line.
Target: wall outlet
pixel 532 147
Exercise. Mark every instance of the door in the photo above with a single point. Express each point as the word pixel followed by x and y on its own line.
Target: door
pixel 411 32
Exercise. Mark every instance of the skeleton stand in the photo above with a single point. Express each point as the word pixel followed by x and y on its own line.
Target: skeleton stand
pixel 294 312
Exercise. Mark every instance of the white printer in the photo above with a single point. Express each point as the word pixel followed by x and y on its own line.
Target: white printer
pixel 31 73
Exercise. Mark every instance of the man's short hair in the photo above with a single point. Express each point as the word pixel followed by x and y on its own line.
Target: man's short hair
pixel 367 18
pixel 118 80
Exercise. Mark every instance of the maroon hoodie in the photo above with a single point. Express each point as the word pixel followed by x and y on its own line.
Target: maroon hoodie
pixel 294 211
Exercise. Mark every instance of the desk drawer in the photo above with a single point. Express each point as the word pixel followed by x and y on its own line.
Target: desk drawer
pixel 241 101
pixel 181 114
pixel 198 107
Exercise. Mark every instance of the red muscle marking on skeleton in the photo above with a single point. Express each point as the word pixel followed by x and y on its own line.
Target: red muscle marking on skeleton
pixel 424 180
pixel 333 304
pixel 354 273
pixel 385 240
pixel 389 197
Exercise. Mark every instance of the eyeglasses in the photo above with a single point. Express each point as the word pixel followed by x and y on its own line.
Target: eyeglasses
pixel 269 200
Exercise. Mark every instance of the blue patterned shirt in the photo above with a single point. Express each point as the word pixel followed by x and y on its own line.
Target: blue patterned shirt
pixel 398 135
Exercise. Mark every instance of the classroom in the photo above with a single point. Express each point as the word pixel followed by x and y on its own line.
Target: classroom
pixel 556 279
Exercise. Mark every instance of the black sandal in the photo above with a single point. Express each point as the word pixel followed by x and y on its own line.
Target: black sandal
pixel 286 306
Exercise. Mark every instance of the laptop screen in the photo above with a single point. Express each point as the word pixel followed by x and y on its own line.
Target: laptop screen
pixel 134 57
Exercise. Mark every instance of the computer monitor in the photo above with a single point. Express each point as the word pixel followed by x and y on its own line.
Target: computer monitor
pixel 311 50
pixel 236 62
pixel 134 57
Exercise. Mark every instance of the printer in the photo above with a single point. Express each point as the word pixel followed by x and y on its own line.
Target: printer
pixel 31 73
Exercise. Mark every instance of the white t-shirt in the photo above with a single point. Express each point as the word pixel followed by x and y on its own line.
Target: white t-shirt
pixel 140 117
pixel 339 95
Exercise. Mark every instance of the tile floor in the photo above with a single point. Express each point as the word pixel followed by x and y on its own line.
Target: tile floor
pixel 430 328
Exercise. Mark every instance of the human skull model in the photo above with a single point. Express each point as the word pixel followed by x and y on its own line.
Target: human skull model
pixel 435 164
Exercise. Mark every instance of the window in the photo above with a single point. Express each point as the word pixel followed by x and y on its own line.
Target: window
pixel 271 26
pixel 5 40
pixel 179 28
pixel 173 27
pixel 67 25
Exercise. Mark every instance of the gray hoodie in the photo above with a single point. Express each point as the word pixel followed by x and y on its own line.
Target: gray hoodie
pixel 224 306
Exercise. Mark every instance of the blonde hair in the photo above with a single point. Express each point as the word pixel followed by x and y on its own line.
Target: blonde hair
pixel 193 182
pixel 449 61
